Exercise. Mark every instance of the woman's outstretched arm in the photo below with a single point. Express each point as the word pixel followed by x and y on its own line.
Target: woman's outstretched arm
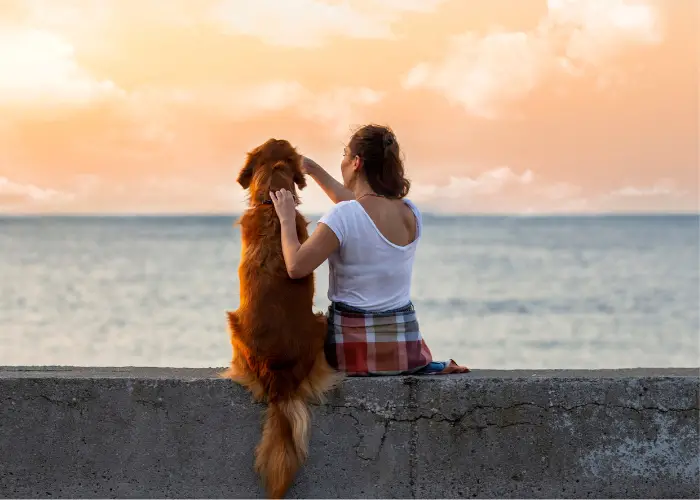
pixel 334 189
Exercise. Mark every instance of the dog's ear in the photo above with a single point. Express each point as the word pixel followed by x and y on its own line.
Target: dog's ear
pixel 245 176
pixel 299 178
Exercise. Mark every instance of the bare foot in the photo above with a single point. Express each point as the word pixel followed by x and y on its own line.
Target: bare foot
pixel 454 368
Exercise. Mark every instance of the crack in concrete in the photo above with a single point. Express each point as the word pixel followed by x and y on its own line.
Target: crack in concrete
pixel 413 439
pixel 157 404
pixel 389 416
pixel 73 403
pixel 382 438
pixel 435 416
pixel 360 438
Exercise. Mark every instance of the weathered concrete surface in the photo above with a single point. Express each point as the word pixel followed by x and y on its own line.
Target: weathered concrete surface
pixel 137 432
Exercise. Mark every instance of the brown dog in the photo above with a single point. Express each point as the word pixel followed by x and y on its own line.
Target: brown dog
pixel 276 337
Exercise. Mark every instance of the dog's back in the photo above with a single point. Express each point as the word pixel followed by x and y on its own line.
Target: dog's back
pixel 282 335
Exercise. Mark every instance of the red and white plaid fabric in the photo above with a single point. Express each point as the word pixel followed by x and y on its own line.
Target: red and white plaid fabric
pixel 387 343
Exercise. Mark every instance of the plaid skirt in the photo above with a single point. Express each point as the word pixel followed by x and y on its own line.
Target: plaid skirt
pixel 377 343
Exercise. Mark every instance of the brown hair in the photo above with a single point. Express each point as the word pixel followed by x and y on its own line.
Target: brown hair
pixel 379 150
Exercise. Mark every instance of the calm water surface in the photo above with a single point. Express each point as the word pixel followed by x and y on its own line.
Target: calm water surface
pixel 491 292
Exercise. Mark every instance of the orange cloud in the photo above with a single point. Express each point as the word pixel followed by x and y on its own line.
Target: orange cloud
pixel 663 187
pixel 17 196
pixel 484 73
pixel 307 23
pixel 38 69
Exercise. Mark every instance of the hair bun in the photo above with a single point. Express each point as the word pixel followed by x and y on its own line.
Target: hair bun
pixel 388 139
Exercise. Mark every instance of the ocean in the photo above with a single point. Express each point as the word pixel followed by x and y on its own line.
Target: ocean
pixel 491 292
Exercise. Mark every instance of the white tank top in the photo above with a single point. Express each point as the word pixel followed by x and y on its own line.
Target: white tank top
pixel 367 270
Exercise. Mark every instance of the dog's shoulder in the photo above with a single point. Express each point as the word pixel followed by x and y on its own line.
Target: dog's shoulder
pixel 262 264
pixel 261 223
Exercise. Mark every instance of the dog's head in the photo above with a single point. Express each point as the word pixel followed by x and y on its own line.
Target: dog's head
pixel 269 167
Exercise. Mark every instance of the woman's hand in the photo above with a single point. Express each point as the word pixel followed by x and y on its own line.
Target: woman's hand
pixel 308 166
pixel 334 189
pixel 285 206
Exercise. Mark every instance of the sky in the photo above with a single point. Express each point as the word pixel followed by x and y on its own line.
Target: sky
pixel 499 106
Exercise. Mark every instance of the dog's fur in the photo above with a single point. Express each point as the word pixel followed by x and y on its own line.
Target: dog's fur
pixel 277 339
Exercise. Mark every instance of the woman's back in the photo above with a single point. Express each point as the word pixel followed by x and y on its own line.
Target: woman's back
pixel 394 219
pixel 372 268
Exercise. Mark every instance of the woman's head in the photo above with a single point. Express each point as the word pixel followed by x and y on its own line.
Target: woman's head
pixel 373 155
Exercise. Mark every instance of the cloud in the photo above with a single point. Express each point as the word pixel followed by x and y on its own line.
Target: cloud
pixel 13 194
pixel 563 191
pixel 246 101
pixel 38 71
pixel 486 73
pixel 460 193
pixel 482 73
pixel 182 193
pixel 159 193
pixel 595 31
pixel 334 109
pixel 486 183
pixel 54 14
pixel 340 108
pixel 306 23
pixel 230 101
pixel 59 119
pixel 38 67
pixel 663 187
pixel 94 193
pixel 500 190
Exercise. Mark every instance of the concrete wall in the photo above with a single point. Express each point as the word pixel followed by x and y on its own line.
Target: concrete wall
pixel 93 432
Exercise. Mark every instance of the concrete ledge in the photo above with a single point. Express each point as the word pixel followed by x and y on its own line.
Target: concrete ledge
pixel 146 432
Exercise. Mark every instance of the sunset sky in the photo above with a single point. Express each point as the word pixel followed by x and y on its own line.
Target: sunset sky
pixel 517 106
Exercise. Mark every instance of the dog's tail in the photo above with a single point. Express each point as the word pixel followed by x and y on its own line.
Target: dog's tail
pixel 285 438
pixel 284 444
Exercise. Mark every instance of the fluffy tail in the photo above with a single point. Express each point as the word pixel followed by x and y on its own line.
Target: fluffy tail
pixel 284 444
pixel 285 438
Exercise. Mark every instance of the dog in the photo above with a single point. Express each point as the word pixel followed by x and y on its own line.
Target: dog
pixel 277 339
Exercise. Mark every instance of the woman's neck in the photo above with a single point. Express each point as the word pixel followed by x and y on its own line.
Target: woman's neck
pixel 362 188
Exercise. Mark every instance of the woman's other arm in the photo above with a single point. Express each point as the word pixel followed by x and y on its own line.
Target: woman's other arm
pixel 334 189
pixel 301 259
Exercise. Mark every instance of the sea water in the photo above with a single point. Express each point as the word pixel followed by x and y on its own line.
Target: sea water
pixel 491 292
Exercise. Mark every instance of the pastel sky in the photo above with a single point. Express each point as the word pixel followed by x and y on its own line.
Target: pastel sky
pixel 518 106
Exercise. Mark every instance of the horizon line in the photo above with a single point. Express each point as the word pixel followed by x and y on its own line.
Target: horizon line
pixel 630 213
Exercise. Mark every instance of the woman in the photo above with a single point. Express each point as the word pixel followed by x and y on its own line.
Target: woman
pixel 369 238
